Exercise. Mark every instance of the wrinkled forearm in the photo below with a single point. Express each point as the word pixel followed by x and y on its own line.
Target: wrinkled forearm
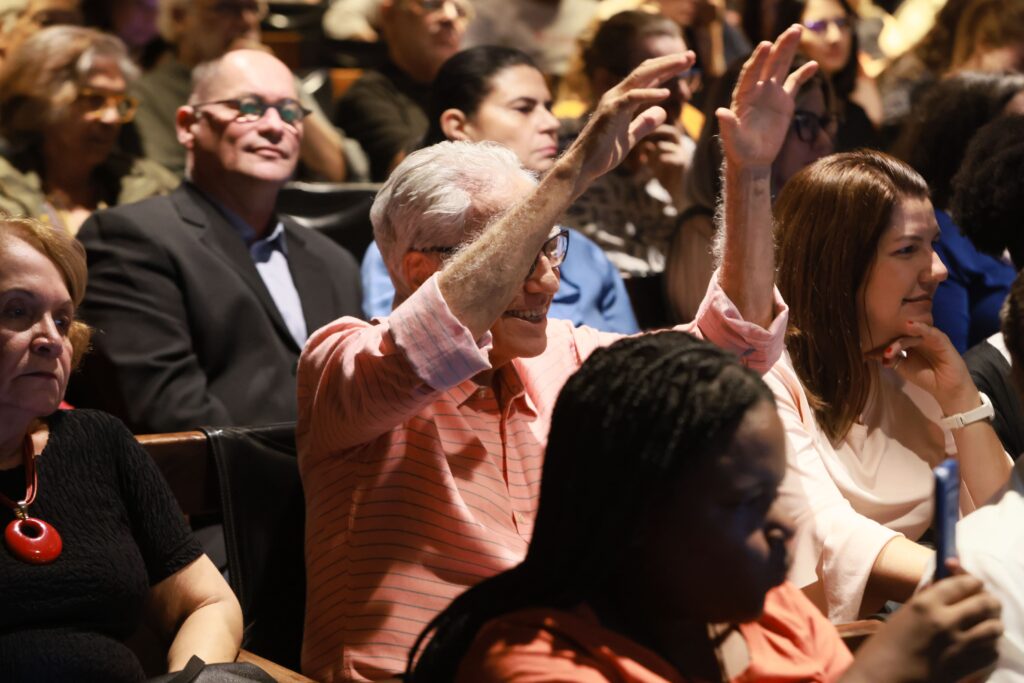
pixel 747 272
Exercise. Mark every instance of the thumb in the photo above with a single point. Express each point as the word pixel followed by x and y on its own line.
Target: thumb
pixel 727 121
pixel 644 123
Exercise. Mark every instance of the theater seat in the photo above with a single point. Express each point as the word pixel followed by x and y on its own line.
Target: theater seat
pixel 341 211
pixel 251 474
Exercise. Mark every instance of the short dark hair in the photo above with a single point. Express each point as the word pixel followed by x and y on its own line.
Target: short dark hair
pixel 945 119
pixel 464 81
pixel 614 46
pixel 636 417
pixel 988 190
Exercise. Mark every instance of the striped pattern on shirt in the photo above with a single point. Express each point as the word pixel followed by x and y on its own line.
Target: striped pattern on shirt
pixel 418 482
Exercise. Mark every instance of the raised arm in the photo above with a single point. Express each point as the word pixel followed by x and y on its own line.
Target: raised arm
pixel 753 130
pixel 483 278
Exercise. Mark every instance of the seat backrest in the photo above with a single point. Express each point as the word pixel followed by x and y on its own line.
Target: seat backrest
pixel 340 211
pixel 264 519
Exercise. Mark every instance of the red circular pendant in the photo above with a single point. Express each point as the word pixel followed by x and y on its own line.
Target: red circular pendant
pixel 33 540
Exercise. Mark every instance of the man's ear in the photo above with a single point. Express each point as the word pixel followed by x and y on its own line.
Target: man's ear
pixel 417 267
pixel 454 124
pixel 185 120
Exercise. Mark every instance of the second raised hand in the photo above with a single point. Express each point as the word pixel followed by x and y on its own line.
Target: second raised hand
pixel 755 126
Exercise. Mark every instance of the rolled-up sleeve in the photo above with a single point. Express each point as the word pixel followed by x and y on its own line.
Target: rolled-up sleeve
pixel 358 380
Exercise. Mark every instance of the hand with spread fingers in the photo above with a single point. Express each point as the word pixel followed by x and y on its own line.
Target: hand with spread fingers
pixel 755 126
pixel 624 115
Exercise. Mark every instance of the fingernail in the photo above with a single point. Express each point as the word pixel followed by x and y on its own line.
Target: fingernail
pixel 888 351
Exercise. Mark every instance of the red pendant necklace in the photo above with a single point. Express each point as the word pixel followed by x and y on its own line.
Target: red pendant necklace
pixel 28 539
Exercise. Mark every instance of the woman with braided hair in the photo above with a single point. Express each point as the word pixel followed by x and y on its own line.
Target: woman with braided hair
pixel 656 555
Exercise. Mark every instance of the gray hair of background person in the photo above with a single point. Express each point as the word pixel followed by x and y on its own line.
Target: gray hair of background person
pixel 41 79
pixel 439 194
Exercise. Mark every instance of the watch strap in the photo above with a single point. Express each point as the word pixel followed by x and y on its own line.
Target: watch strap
pixel 983 412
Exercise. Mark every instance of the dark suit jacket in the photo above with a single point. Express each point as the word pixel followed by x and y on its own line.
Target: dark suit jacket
pixel 186 333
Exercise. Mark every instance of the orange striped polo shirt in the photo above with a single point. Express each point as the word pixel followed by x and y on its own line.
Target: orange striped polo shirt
pixel 419 482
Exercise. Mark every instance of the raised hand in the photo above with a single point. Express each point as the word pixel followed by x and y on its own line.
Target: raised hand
pixel 624 115
pixel 755 126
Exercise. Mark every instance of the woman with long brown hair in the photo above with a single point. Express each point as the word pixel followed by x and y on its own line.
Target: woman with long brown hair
pixel 871 394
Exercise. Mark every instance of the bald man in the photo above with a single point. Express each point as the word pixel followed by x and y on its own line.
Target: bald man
pixel 203 299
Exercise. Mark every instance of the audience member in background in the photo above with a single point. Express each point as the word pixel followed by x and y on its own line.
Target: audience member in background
pixel 989 37
pixel 831 40
pixel 385 110
pixel 869 391
pixel 498 94
pixel 62 105
pixel 989 541
pixel 115 542
pixel 811 136
pixel 717 42
pixel 421 436
pixel 966 305
pixel 204 299
pixel 198 31
pixel 33 17
pixel 546 30
pixel 657 553
pixel 633 211
pixel 987 202
pixel 912 73
pixel 133 21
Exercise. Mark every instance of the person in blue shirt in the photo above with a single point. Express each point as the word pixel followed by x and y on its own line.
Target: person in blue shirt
pixel 498 94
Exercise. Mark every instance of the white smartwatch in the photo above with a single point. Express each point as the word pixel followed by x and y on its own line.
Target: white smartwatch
pixel 983 412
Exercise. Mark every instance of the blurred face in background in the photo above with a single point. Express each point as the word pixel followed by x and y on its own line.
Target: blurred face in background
pixel 811 136
pixel 90 124
pixel 828 34
pixel 422 34
pixel 516 113
pixel 209 28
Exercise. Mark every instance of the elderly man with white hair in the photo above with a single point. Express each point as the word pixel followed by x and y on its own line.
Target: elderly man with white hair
pixel 421 435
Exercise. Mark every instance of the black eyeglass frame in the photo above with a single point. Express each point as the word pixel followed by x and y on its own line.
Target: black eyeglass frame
pixel 548 249
pixel 238 103
pixel 803 119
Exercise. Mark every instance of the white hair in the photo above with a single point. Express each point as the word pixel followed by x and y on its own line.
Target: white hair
pixel 439 195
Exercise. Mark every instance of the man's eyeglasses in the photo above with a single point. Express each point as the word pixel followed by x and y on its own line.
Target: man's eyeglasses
pixel 821 25
pixel 808 124
pixel 252 108
pixel 96 102
pixel 554 250
pixel 236 8
pixel 462 9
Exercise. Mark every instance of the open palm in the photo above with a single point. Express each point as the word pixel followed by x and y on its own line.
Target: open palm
pixel 755 126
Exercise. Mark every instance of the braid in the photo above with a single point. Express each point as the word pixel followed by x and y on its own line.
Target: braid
pixel 636 416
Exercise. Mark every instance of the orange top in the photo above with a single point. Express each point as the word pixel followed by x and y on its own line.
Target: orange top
pixel 792 641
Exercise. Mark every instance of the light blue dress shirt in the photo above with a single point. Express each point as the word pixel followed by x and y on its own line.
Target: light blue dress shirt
pixel 591 290
pixel 270 256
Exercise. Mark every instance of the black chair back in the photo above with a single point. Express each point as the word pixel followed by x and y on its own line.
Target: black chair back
pixel 264 520
pixel 340 211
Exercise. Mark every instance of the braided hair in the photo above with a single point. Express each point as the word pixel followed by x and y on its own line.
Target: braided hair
pixel 635 417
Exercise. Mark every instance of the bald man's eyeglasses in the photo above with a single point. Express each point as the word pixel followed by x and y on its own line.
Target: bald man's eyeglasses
pixel 554 250
pixel 252 108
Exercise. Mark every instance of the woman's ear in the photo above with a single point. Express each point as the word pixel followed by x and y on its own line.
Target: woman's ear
pixel 454 125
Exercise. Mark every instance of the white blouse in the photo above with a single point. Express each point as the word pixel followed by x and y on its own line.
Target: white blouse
pixel 849 498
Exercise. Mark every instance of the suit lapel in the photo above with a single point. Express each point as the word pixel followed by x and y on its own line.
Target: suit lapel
pixel 222 239
pixel 312 280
